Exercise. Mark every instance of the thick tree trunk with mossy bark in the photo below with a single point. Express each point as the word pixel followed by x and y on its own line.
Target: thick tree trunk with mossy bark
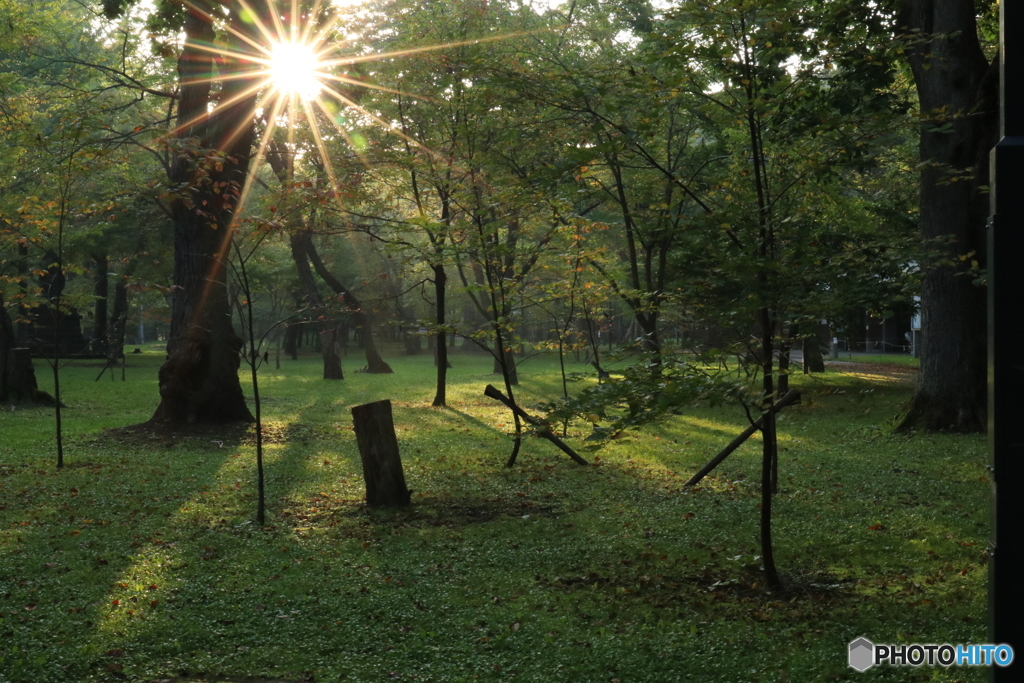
pixel 957 89
pixel 199 381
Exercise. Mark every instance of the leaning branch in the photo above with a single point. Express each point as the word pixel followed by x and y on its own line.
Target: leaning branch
pixel 542 429
pixel 790 397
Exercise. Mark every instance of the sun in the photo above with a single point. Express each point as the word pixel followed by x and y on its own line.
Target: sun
pixel 296 69
pixel 298 74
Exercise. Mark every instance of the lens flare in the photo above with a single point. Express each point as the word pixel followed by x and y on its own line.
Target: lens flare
pixel 300 75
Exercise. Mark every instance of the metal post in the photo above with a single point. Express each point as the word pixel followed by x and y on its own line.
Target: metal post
pixel 1005 371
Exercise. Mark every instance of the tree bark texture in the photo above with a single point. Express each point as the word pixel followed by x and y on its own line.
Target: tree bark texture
pixel 509 358
pixel 328 326
pixel 378 449
pixel 118 318
pixel 813 360
pixel 364 321
pixel 199 381
pixel 22 386
pixel 441 348
pixel 957 89
pixel 100 290
pixel 22 328
pixel 7 344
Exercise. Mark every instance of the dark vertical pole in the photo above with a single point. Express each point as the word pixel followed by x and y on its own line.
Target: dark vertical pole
pixel 1005 367
pixel 100 290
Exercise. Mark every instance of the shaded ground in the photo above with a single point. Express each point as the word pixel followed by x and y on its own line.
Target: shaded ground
pixel 150 434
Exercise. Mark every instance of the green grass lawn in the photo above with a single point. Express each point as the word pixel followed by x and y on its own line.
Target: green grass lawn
pixel 140 560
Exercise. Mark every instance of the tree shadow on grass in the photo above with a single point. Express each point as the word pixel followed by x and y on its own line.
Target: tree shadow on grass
pixel 466 417
pixel 228 679
pixel 156 434
pixel 156 591
pixel 85 527
pixel 425 513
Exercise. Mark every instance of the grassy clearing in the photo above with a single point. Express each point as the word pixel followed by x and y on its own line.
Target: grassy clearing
pixel 139 561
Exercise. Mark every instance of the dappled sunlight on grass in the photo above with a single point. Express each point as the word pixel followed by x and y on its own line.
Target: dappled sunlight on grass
pixel 880 378
pixel 717 428
pixel 609 571
pixel 138 592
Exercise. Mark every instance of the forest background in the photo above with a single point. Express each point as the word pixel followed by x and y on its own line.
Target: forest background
pixel 696 186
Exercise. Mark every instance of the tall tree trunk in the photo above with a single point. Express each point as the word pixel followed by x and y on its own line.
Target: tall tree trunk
pixel 363 319
pixel 199 380
pixel 813 360
pixel 957 89
pixel 99 291
pixel 328 326
pixel 7 344
pixel 118 318
pixel 508 362
pixel 769 448
pixel 22 328
pixel 291 340
pixel 441 347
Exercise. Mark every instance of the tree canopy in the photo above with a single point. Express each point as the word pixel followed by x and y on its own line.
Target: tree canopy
pixel 710 178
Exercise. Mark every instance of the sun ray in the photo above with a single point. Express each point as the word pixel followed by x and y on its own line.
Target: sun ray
pixel 293 24
pixel 363 110
pixel 344 133
pixel 288 64
pixel 325 158
pixel 322 32
pixel 384 124
pixel 377 56
pixel 278 26
pixel 261 151
pixel 258 22
pixel 381 88
pixel 299 33
pixel 205 116
pixel 233 31
pixel 293 105
pixel 220 51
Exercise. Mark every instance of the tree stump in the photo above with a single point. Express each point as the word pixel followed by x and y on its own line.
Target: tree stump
pixel 378 449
